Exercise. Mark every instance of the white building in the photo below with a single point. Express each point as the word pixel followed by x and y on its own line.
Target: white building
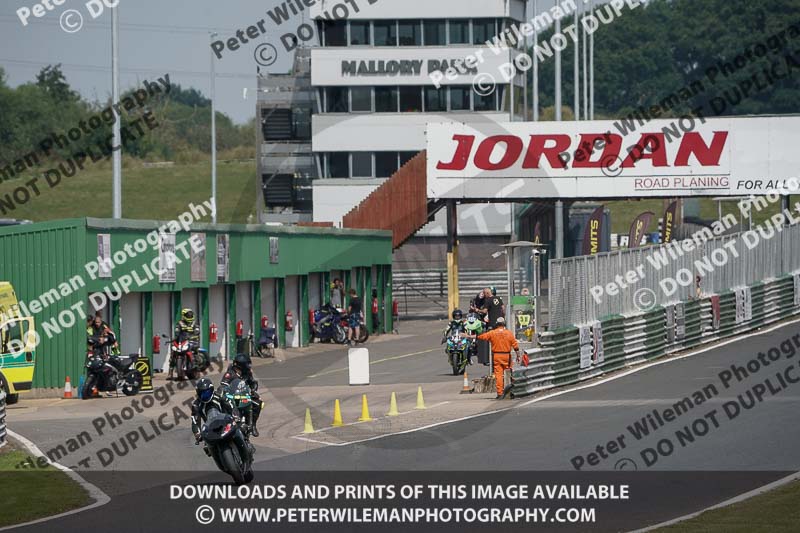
pixel 371 74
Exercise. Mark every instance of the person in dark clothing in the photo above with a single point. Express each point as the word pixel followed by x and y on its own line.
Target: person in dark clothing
pixel 495 308
pixel 376 321
pixel 241 368
pixel 478 304
pixel 100 336
pixel 354 313
pixel 205 400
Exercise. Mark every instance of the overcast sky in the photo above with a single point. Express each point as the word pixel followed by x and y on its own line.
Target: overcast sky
pixel 156 37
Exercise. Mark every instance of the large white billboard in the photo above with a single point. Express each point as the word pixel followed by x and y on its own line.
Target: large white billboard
pixel 692 156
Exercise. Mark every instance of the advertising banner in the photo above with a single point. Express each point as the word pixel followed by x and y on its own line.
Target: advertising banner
pixel 668 224
pixel 168 268
pixel 104 255
pixel 716 311
pixel 222 258
pixel 599 351
pixel 593 231
pixel 639 229
pixel 613 159
pixel 198 256
pixel 146 370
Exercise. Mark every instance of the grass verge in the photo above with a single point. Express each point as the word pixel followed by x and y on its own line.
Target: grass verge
pixel 34 493
pixel 773 512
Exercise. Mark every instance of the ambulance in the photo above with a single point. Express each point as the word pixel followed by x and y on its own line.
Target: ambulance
pixel 17 346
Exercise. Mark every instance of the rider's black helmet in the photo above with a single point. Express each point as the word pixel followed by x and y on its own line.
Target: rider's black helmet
pixel 457 314
pixel 204 389
pixel 242 362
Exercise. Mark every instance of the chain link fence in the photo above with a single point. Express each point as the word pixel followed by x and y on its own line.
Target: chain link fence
pixel 584 289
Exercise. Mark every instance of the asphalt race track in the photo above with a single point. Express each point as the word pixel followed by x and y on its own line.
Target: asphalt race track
pixel 716 453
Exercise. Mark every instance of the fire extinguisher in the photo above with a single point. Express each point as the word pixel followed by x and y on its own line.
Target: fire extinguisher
pixel 212 333
pixel 311 316
pixel 395 309
pixel 240 328
pixel 264 321
pixel 289 326
pixel 156 344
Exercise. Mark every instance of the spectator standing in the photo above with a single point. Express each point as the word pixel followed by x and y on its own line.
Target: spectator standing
pixel 337 294
pixel 354 312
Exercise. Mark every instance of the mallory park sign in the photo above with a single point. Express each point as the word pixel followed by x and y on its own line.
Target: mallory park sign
pixel 404 67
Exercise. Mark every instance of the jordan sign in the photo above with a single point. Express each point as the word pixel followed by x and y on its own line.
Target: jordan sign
pixel 614 159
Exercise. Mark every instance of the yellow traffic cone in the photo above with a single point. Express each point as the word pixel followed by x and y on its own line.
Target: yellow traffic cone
pixel 364 410
pixel 309 427
pixel 393 406
pixel 337 415
pixel 420 399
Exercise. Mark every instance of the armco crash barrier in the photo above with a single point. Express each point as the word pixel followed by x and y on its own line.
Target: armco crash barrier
pixel 630 340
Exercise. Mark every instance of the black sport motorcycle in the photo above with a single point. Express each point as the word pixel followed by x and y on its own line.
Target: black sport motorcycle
pixel 226 435
pixel 111 374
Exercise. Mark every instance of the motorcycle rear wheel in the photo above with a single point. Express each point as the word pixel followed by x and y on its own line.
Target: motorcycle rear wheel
pixel 132 389
pixel 232 463
pixel 88 387
pixel 363 334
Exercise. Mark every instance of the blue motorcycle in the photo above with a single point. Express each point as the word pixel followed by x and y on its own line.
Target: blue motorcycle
pixel 457 350
pixel 327 325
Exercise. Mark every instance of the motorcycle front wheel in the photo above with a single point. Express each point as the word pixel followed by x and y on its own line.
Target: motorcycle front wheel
pixel 233 463
pixel 180 366
pixel 339 335
pixel 132 389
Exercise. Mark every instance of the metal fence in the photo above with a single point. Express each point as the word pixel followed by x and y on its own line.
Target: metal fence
pixel 2 418
pixel 584 289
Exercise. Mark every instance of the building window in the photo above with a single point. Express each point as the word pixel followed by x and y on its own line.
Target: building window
pixel 460 98
pixel 359 33
pixel 483 30
pixel 410 99
pixel 385 164
pixel 410 32
pixel 405 157
pixel 362 164
pixel 335 33
pixel 486 103
pixel 386 99
pixel 435 32
pixel 459 32
pixel 339 165
pixel 301 123
pixel 336 100
pixel 385 33
pixel 435 99
pixel 361 98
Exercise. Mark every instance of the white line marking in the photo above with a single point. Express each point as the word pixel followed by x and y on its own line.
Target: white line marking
pixel 726 503
pixel 100 497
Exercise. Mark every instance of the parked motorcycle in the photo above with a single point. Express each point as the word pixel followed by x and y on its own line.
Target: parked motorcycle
pixel 111 373
pixel 458 351
pixel 328 326
pixel 188 359
pixel 363 331
pixel 225 435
